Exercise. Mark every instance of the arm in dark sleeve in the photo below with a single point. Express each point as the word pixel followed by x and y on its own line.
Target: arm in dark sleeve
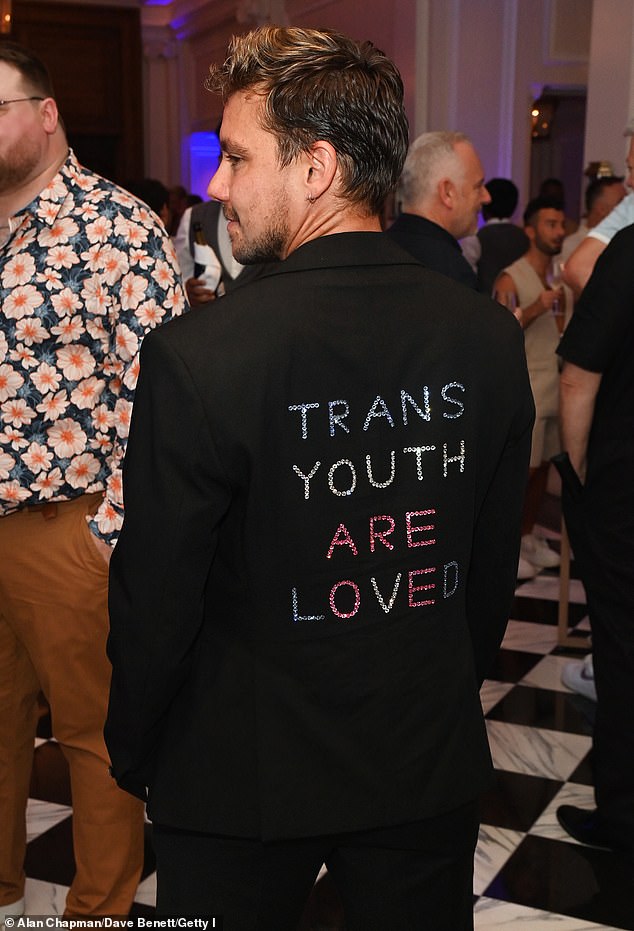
pixel 603 314
pixel 493 570
pixel 175 495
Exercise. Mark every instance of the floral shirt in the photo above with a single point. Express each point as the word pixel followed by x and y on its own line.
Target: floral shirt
pixel 86 272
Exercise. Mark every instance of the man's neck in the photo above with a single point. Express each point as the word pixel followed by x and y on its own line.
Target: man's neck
pixel 539 261
pixel 15 200
pixel 428 212
pixel 329 222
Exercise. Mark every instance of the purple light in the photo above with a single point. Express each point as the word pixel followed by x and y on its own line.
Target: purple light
pixel 204 152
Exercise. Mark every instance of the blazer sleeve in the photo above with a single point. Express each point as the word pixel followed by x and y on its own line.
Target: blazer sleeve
pixel 175 495
pixel 603 314
pixel 495 550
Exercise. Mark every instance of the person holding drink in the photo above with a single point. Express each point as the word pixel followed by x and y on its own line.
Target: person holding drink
pixel 532 288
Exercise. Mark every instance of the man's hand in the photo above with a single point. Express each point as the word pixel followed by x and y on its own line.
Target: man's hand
pixel 198 293
pixel 549 300
pixel 103 547
pixel 578 389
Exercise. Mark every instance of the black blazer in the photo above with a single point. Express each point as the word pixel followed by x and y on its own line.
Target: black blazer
pixel 433 246
pixel 323 488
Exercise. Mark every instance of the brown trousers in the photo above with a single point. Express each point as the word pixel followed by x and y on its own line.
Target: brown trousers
pixel 53 629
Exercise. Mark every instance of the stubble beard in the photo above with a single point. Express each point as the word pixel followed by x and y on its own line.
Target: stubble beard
pixel 547 248
pixel 268 247
pixel 17 166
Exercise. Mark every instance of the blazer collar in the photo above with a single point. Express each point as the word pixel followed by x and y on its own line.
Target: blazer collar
pixel 343 249
pixel 416 225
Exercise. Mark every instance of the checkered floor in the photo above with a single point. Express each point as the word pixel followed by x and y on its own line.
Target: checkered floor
pixel 528 873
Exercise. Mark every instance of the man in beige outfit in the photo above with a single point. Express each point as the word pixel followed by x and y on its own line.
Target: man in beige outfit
pixel 541 312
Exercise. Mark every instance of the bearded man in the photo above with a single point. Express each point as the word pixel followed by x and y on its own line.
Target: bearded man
pixel 85 271
pixel 323 489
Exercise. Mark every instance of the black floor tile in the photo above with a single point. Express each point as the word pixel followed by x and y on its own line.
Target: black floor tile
pixel 149 862
pixel 585 707
pixel 44 726
pixel 517 800
pixel 537 611
pixel 540 611
pixel 583 773
pixel 512 665
pixel 576 652
pixel 50 856
pixel 541 708
pixel 569 879
pixel 50 780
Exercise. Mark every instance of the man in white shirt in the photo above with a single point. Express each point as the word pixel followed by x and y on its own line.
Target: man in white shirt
pixel 602 196
pixel 208 267
pixel 580 264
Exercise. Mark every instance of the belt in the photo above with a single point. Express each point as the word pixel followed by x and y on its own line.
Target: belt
pixel 48 510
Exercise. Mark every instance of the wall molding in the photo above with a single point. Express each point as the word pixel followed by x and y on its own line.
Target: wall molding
pixel 507 89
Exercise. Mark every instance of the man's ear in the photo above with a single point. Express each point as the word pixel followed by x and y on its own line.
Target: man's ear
pixel 447 192
pixel 50 115
pixel 321 166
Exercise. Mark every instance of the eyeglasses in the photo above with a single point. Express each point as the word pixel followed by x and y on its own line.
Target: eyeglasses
pixel 18 100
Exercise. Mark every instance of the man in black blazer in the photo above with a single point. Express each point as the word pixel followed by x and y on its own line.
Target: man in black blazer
pixel 323 489
pixel 442 190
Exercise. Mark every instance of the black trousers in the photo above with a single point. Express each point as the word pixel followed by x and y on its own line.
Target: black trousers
pixel 600 522
pixel 415 877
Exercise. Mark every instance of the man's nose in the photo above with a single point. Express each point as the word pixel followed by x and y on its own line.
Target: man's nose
pixel 217 188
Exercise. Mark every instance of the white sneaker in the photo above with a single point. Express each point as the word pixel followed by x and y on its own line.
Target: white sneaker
pixel 536 550
pixel 526 570
pixel 578 675
pixel 13 910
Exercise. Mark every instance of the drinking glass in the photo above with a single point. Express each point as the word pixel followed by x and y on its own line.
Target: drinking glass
pixel 554 280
